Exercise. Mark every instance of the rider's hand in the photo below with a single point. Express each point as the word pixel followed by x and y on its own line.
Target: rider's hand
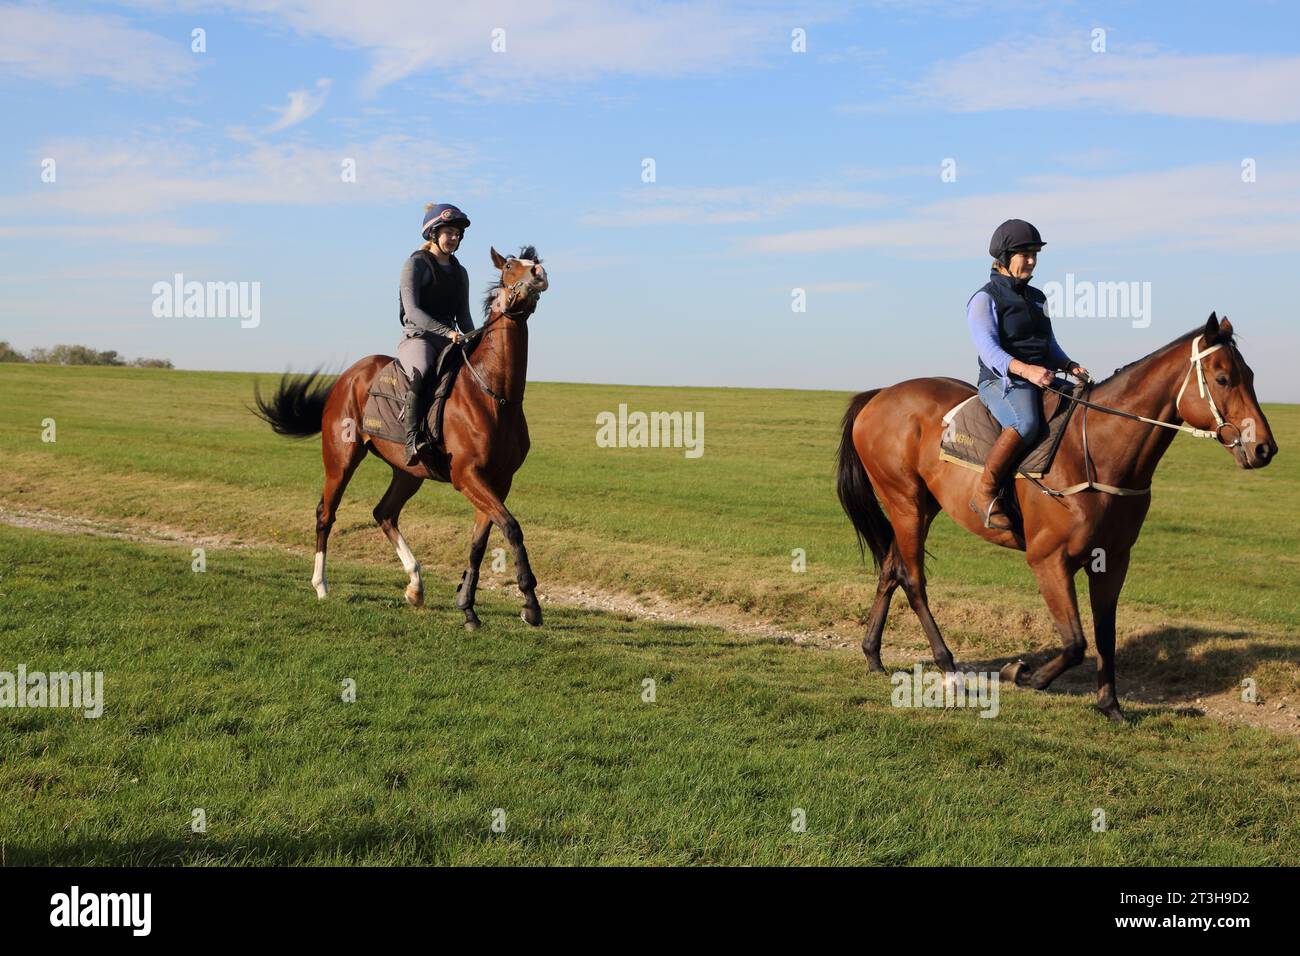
pixel 1038 375
pixel 1079 372
pixel 455 336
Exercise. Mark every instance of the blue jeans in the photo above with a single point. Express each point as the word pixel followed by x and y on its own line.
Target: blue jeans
pixel 1021 408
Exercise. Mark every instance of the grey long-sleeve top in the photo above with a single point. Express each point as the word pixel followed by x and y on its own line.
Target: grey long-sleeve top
pixel 445 301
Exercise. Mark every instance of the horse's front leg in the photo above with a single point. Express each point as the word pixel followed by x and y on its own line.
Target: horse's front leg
pixel 1103 592
pixel 485 498
pixel 468 586
pixel 1056 583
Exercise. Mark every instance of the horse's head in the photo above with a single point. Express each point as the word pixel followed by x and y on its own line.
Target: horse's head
pixel 1221 396
pixel 522 280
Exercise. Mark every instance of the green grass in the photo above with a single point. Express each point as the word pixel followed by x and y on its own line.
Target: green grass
pixel 179 448
pixel 222 691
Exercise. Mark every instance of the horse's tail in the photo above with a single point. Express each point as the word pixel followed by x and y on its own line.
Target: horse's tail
pixel 855 491
pixel 296 408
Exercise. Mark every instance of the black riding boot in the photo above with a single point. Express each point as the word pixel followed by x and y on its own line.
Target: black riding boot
pixel 439 400
pixel 411 412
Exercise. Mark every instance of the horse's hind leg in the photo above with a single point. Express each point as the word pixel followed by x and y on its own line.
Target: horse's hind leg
pixel 341 460
pixel 399 492
pixel 910 529
pixel 890 578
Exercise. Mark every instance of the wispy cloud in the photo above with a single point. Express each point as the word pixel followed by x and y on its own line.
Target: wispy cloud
pixel 519 46
pixel 302 104
pixel 120 189
pixel 143 232
pixel 656 205
pixel 1062 72
pixel 38 43
pixel 832 288
pixel 1205 206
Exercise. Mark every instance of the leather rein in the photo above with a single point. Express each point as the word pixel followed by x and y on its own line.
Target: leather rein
pixel 1194 363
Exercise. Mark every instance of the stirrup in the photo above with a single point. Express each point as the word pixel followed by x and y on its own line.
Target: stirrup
pixel 988 513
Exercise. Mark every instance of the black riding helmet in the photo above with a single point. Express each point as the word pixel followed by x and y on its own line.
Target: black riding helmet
pixel 1014 235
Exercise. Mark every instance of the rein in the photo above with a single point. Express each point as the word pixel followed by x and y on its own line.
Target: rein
pixel 478 333
pixel 1202 387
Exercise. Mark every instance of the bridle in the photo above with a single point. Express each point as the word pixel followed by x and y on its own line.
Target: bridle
pixel 512 293
pixel 1194 363
pixel 1204 388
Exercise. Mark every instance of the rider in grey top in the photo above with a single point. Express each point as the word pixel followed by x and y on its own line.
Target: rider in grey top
pixel 433 307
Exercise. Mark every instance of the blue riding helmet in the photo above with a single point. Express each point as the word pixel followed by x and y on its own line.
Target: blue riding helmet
pixel 443 214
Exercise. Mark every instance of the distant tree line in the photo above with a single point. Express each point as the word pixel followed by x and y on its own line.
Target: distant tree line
pixel 76 355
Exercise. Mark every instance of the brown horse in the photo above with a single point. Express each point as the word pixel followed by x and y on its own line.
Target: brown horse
pixel 485 436
pixel 890 446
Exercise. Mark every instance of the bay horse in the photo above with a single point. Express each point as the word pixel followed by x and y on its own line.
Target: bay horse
pixel 1095 496
pixel 485 436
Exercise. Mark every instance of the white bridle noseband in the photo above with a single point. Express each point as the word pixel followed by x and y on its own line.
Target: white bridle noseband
pixel 1203 387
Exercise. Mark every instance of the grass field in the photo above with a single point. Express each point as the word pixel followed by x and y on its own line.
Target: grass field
pixel 222 692
pixel 223 687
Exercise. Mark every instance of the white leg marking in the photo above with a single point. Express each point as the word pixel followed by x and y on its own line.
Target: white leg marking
pixel 414 590
pixel 318 576
pixel 409 564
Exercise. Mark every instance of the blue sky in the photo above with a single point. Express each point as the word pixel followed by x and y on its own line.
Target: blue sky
pixel 774 170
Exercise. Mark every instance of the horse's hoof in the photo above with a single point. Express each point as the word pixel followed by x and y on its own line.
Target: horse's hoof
pixel 471 625
pixel 532 616
pixel 1113 712
pixel 1011 673
pixel 415 598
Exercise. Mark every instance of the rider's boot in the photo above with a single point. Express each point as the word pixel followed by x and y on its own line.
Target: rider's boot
pixel 1001 458
pixel 437 404
pixel 411 417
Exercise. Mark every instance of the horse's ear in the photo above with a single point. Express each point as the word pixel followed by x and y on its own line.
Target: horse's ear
pixel 1225 327
pixel 1211 329
pixel 498 259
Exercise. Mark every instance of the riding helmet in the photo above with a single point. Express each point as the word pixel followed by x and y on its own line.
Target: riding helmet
pixel 442 214
pixel 1014 235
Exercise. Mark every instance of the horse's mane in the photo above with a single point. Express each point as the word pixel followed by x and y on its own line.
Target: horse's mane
pixel 1183 339
pixel 525 252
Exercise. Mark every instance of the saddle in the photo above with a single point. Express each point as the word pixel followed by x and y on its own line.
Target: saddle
pixel 382 416
pixel 971 431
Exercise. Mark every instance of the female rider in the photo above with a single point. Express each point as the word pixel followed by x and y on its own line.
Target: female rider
pixel 1018 352
pixel 434 308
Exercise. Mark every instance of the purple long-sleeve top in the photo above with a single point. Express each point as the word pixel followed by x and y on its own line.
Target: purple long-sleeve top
pixel 982 318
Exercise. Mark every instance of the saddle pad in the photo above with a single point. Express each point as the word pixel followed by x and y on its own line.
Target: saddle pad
pixel 382 417
pixel 971 431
